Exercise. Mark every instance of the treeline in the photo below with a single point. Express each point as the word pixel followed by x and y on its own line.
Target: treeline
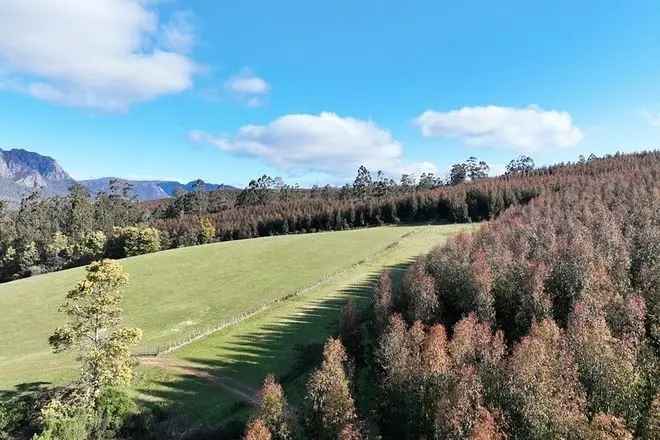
pixel 48 234
pixel 544 324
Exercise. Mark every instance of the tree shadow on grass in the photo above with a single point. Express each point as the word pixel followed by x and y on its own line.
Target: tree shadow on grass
pixel 24 389
pixel 289 348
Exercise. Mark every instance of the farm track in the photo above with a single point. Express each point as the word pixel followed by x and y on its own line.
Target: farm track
pixel 242 392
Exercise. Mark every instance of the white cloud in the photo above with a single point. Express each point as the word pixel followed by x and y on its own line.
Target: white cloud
pixel 100 54
pixel 416 169
pixel 178 34
pixel 496 169
pixel 324 143
pixel 653 118
pixel 248 88
pixel 523 129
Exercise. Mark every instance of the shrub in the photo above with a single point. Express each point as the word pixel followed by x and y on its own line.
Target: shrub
pixel 133 240
pixel 90 247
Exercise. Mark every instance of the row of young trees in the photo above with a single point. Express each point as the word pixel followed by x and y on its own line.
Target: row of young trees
pixel 544 324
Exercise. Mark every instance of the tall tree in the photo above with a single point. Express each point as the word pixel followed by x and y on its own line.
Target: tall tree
pixel 362 183
pixel 80 215
pixel 258 192
pixel 521 164
pixel 427 181
pixel 457 174
pixel 201 196
pixel 331 406
pixel 273 410
pixel 476 169
pixel 94 330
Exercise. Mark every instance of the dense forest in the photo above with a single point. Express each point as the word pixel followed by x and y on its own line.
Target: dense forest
pixel 51 233
pixel 545 324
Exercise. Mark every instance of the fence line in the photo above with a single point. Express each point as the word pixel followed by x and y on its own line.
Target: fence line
pixel 197 334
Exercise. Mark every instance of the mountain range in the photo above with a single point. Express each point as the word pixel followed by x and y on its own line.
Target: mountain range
pixel 22 172
pixel 150 189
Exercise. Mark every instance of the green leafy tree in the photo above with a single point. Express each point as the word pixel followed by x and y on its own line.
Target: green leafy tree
pixel 207 230
pixel 521 164
pixel 94 330
pixel 200 196
pixel 383 185
pixel 90 247
pixel 476 169
pixel 406 183
pixel 362 183
pixel 133 240
pixel 258 192
pixel 80 213
pixel 457 174
pixel 427 181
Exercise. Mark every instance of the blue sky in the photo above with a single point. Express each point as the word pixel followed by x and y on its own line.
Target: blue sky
pixel 308 90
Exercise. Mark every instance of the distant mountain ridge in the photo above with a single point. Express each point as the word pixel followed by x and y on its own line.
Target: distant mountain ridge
pixel 150 189
pixel 23 171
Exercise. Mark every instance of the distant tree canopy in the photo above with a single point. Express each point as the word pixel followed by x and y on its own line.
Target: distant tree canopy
pixel 47 234
pixel 473 169
pixel 258 192
pixel 521 164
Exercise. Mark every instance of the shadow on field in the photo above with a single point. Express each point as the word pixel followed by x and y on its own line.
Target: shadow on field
pixel 24 390
pixel 212 392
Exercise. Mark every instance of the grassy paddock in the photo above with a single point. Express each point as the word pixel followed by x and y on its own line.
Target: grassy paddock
pixel 178 293
pixel 284 340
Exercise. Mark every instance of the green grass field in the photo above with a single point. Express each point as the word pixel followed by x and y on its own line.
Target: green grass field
pixel 173 293
pixel 284 340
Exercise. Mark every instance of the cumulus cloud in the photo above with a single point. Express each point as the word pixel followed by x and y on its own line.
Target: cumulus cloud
pixel 248 88
pixel 105 54
pixel 178 34
pixel 325 143
pixel 524 129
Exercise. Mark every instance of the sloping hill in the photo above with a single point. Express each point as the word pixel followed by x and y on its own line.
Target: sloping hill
pixel 175 294
pixel 206 382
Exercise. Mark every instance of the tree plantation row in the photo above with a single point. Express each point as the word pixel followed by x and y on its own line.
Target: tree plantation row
pixel 545 324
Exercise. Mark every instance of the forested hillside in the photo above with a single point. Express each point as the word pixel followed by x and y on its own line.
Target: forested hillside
pixel 50 233
pixel 544 324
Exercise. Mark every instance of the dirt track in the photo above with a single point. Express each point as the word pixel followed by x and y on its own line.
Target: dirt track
pixel 243 392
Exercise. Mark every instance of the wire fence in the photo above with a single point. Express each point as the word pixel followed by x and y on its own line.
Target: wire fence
pixel 153 350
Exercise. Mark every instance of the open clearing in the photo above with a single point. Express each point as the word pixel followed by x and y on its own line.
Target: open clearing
pixel 174 294
pixel 200 380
